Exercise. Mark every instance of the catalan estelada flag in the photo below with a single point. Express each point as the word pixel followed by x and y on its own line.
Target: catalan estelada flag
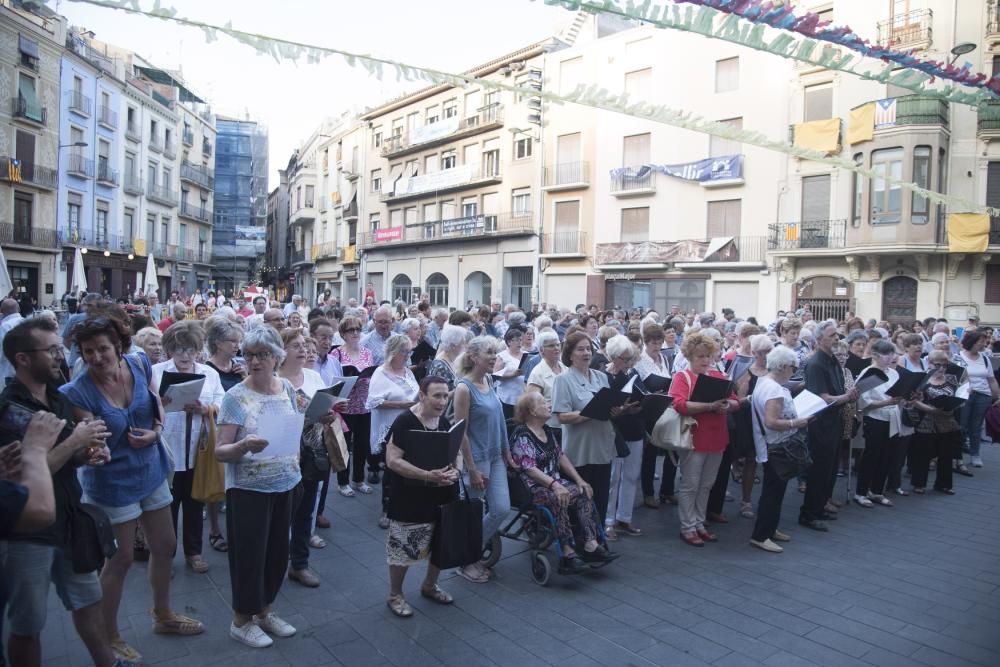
pixel 13 170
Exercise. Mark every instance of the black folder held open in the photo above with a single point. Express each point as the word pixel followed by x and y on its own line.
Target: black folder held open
pixel 432 450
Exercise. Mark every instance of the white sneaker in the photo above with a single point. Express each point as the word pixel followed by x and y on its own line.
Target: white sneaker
pixel 863 501
pixel 251 635
pixel 273 624
pixel 977 462
pixel 347 491
pixel 363 488
pixel 768 546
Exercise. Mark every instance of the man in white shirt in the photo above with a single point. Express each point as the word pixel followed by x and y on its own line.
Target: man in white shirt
pixel 375 339
pixel 257 319
pixel 10 312
pixel 294 305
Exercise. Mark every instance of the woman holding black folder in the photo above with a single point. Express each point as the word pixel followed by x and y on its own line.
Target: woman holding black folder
pixel 412 506
pixel 938 434
pixel 881 425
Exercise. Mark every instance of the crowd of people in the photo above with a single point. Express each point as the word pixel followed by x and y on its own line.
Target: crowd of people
pixel 86 432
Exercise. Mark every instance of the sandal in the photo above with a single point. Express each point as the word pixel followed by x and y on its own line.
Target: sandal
pixel 436 594
pixel 176 624
pixel 399 606
pixel 802 487
pixel 124 652
pixel 197 564
pixel 478 576
pixel 746 510
pixel 627 528
pixel 918 490
pixel 317 542
pixel 218 542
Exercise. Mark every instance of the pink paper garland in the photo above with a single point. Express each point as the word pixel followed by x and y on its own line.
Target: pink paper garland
pixel 781 17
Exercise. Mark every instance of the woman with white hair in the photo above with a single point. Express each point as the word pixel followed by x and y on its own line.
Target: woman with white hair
pixel 774 421
pixel 544 374
pixel 629 431
pixel 451 345
pixel 508 372
pixel 881 426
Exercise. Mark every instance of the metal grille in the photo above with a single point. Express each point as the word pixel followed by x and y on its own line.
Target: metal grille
pixel 826 309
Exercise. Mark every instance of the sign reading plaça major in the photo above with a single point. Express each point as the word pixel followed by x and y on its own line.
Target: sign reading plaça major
pixel 722 168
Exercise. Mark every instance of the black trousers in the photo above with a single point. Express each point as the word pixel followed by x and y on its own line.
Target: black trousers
pixel 648 471
pixel 926 447
pixel 358 441
pixel 772 494
pixel 874 465
pixel 257 525
pixel 900 451
pixel 717 496
pixel 302 524
pixel 598 476
pixel 193 523
pixel 824 444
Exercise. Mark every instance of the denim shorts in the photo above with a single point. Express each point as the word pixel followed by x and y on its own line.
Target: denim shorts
pixel 158 499
pixel 28 569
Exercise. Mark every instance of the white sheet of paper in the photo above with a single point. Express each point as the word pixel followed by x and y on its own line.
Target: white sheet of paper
pixel 807 404
pixel 963 391
pixel 183 393
pixel 348 387
pixel 283 434
pixel 868 383
pixel 629 386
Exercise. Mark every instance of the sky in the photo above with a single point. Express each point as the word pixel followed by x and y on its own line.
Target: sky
pixel 292 99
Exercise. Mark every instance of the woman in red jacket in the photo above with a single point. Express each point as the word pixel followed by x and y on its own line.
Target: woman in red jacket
pixel 700 466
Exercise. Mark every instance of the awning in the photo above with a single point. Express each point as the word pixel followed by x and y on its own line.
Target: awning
pixel 161 76
pixel 394 176
pixel 27 46
pixel 203 234
pixel 26 89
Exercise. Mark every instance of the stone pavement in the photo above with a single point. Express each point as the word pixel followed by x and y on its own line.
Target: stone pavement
pixel 913 585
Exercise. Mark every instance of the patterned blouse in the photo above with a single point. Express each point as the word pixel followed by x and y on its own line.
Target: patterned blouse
pixel 528 451
pixel 356 401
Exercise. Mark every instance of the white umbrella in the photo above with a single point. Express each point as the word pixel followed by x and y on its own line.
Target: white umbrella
pixel 79 282
pixel 5 284
pixel 150 286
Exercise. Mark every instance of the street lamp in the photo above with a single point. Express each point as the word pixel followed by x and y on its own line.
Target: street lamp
pixel 75 144
pixel 960 50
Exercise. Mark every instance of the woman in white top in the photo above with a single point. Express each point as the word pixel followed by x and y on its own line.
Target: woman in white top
pixel 653 362
pixel 983 392
pixel 510 377
pixel 772 402
pixel 881 425
pixel 181 344
pixel 543 376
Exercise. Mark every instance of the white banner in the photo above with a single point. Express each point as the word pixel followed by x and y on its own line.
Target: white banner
pixel 442 128
pixel 433 181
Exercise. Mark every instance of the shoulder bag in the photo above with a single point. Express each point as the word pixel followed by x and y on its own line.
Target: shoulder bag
pixel 208 484
pixel 673 431
pixel 790 457
pixel 92 540
pixel 458 532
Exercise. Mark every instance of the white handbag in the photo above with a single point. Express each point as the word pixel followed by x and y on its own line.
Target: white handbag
pixel 673 431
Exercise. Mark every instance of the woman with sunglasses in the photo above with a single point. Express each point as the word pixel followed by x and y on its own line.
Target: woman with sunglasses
pixel 352 355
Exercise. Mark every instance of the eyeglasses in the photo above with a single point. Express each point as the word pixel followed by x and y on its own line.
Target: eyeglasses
pixel 55 351
pixel 352 330
pixel 275 319
pixel 262 356
pixel 186 350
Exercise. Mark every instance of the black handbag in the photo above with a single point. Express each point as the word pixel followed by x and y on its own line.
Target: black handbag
pixel 458 532
pixel 92 540
pixel 790 457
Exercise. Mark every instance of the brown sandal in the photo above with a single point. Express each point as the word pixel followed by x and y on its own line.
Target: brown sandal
pixel 176 624
pixel 436 594
pixel 197 564
pixel 399 606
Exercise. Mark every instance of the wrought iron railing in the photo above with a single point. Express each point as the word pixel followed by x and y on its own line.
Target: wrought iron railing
pixel 807 234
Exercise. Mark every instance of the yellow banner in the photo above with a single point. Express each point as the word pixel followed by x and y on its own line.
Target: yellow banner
pixel 819 135
pixel 968 232
pixel 861 126
pixel 140 246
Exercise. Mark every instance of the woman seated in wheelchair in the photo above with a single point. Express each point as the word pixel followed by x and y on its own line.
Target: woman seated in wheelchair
pixel 555 484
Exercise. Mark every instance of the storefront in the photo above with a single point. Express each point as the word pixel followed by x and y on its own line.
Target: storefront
pixel 115 274
pixel 657 291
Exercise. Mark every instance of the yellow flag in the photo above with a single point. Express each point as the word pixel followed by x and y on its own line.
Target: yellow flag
pixel 968 232
pixel 140 246
pixel 819 135
pixel 861 126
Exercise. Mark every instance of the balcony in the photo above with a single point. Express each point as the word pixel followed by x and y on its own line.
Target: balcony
pixel 908 31
pixel 97 239
pixel 80 166
pixel 27 235
pixel 326 250
pixel 302 258
pixel 350 255
pixel 921 110
pixel 155 144
pixel 471 228
pixel 199 175
pixel 161 194
pixel 162 99
pixel 193 212
pixel 206 147
pixel 993 25
pixel 633 185
pixel 442 132
pixel 748 251
pixel 108 118
pixel 942 232
pixel 351 170
pixel 28 173
pixel 303 215
pixel 80 104
pixel 442 182
pixel 107 176
pixel 567 176
pixel 169 148
pixel 187 137
pixel 807 235
pixel 988 120
pixel 133 185
pixel 565 245
pixel 132 132
pixel 32 113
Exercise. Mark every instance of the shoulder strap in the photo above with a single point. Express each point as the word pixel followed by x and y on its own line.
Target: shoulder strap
pixel 760 420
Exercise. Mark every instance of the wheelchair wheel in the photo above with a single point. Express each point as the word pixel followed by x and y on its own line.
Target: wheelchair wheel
pixel 541 568
pixel 491 552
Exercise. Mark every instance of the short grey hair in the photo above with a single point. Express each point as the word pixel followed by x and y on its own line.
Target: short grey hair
pixel 265 338
pixel 438 312
pixel 938 337
pixel 383 310
pixel 409 323
pixel 883 347
pixel 394 344
pixel 781 357
pixel 452 337
pixel 543 322
pixel 823 326
pixel 218 329
pixel 856 335
pixel 226 312
pixel 619 346
pixel 760 343
pixel 143 335
pixel 516 318
pixel 941 327
pixel 546 337
pixel 713 333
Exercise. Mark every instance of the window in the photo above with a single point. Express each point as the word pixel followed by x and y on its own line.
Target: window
pixel 857 187
pixel 377 137
pixel 130 174
pixel 886 197
pixel 635 225
pixel 470 207
pixel 727 75
pixel 448 209
pixel 128 225
pixel 167 134
pixel 411 169
pixel 570 75
pixel 719 146
pixel 635 150
pixel 23 206
pixel 920 207
pixel 401 288
pixel 431 115
pixel 164 230
pixel 74 208
pixel 310 196
pixel 412 121
pixel 130 117
pixel 815 198
pixel 448 160
pixel 397 127
pixel 152 131
pixel 410 216
pixel 430 212
pixel 450 108
pixel 430 164
pixel 638 84
pixel 491 159
pixel 28 105
pixel 150 231
pixel 567 227
pixel 437 289
pixel 374 221
pixel 103 163
pixel 376 179
pixel 522 147
pixel 471 155
pixel 24 148
pixel 724 218
pixel 520 201
pixel 168 180
pixel 941 183
pixel 992 294
pixel 182 233
pixel 29 52
pixel 151 175
pixel 817 102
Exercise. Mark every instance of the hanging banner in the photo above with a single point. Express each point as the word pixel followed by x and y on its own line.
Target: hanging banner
pixel 861 126
pixel 723 168
pixel 885 113
pixel 819 135
pixel 968 232
pixel 390 234
pixel 424 133
pixel 472 223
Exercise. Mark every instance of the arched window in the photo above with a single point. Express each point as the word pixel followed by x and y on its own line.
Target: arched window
pixel 401 288
pixel 478 288
pixel 437 289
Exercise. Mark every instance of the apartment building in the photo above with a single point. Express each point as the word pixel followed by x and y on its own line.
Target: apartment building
pixel 197 181
pixel 450 196
pixel 339 208
pixel 303 172
pixel 277 253
pixel 32 44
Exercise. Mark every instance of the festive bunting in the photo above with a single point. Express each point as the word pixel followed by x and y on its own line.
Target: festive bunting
pixel 968 232
pixel 723 168
pixel 590 96
pixel 861 126
pixel 708 22
pixel 819 135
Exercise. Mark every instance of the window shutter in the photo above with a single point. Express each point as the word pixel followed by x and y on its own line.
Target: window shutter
pixel 992 284
pixel 635 225
pixel 635 151
pixel 993 184
pixel 724 218
pixel 816 198
pixel 567 216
